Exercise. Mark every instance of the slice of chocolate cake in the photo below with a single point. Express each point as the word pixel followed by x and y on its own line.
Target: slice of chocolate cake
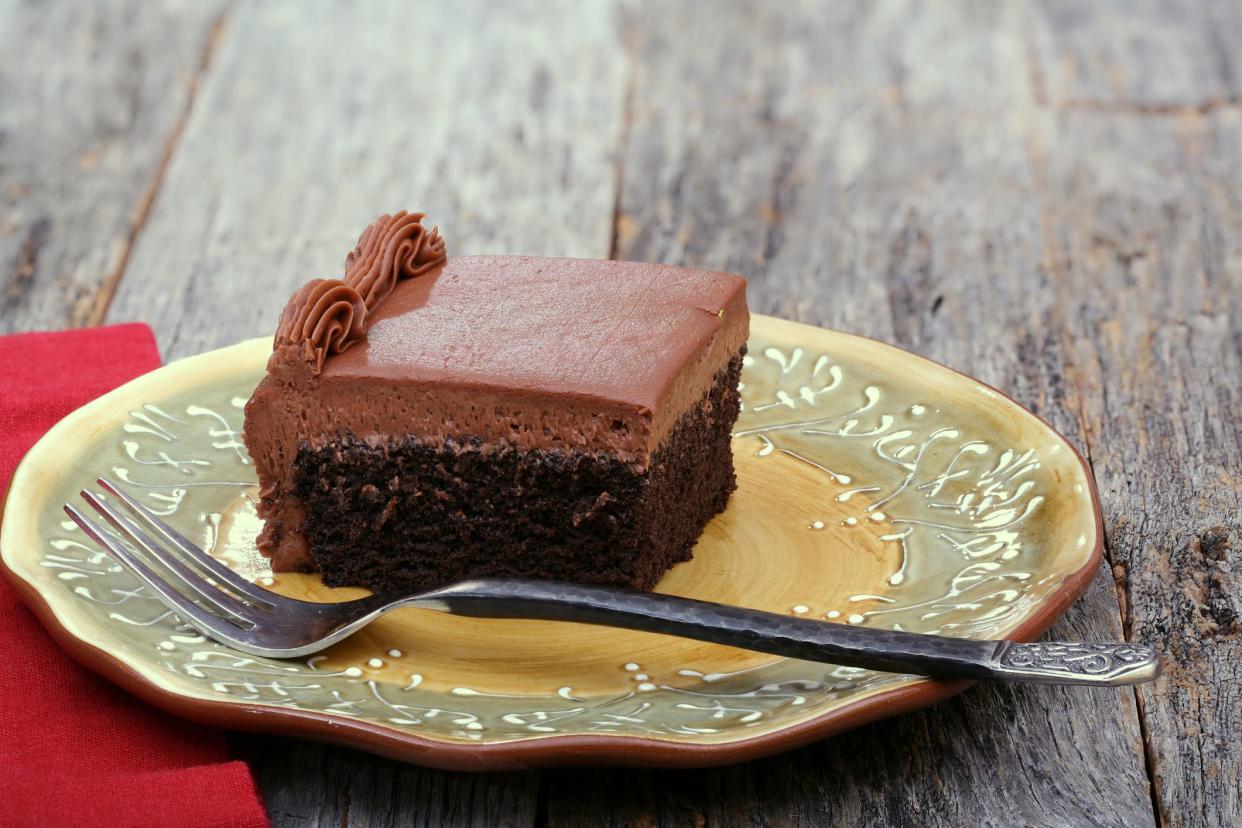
pixel 429 419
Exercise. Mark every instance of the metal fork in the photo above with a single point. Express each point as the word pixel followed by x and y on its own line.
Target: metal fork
pixel 224 606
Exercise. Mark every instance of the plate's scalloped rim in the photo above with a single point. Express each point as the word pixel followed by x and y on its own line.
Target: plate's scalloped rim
pixel 535 751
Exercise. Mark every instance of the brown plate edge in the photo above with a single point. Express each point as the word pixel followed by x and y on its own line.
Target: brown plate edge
pixel 553 751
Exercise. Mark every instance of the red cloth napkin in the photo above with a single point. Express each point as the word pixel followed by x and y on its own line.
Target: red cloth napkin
pixel 74 749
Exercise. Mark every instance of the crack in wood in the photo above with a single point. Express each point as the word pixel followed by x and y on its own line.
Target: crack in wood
pixel 97 310
pixel 1121 582
pixel 1149 758
pixel 542 793
pixel 1030 58
pixel 623 139
pixel 1150 108
pixel 27 263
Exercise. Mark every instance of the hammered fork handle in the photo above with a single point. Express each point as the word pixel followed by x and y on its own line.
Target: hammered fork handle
pixel 894 651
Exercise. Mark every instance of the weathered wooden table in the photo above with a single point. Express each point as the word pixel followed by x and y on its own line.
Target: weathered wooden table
pixel 1047 196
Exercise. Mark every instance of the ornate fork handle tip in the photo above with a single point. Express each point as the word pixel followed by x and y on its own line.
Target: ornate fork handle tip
pixel 1062 663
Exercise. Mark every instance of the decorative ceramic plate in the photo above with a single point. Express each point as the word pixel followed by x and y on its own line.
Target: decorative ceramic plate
pixel 874 488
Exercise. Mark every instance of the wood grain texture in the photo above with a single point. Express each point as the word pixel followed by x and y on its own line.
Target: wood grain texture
pixel 860 184
pixel 90 99
pixel 315 118
pixel 1142 209
pixel 1147 57
pixel 314 785
pixel 1144 223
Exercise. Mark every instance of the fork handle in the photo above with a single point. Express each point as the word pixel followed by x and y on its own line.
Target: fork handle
pixel 870 648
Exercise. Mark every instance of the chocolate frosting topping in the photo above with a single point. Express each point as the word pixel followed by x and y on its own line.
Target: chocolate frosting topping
pixel 328 316
pixel 392 248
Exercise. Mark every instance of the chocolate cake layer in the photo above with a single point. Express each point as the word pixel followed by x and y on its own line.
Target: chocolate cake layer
pixel 401 515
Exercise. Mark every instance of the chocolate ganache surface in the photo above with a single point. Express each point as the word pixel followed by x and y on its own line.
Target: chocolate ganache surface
pixel 505 352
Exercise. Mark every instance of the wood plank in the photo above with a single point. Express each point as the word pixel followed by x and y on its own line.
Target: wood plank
pixel 90 98
pixel 504 138
pixel 304 785
pixel 313 120
pixel 1148 56
pixel 873 174
pixel 1144 222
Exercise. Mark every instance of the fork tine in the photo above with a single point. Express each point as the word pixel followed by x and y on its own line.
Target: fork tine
pixel 212 595
pixel 214 568
pixel 206 623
